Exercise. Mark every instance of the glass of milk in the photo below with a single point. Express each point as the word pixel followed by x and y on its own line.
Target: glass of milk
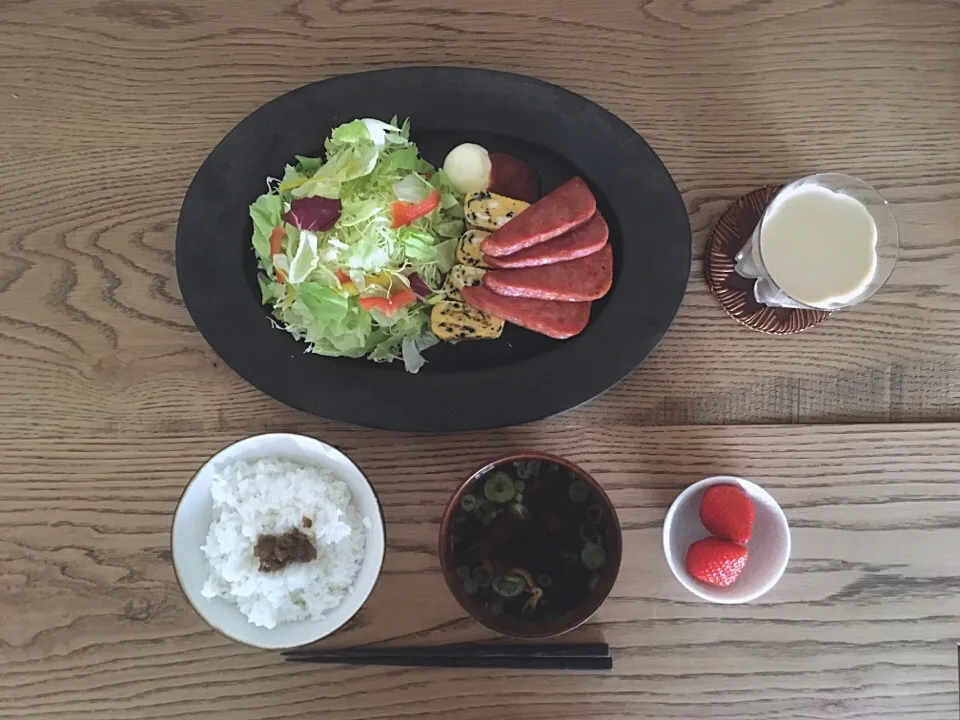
pixel 826 241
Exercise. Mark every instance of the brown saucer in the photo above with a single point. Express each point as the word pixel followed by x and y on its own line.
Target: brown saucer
pixel 735 293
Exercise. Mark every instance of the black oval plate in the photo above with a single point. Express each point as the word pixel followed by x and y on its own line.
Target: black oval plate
pixel 518 378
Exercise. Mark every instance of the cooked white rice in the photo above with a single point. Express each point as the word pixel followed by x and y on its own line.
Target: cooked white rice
pixel 272 496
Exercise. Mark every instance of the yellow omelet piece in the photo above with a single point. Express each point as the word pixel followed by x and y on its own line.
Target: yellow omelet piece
pixel 468 249
pixel 453 321
pixel 462 275
pixel 489 211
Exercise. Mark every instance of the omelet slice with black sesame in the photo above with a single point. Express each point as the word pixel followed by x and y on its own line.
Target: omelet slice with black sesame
pixel 453 321
pixel 468 249
pixel 489 211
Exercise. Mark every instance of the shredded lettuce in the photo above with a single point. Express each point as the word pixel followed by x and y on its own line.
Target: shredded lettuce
pixel 368 166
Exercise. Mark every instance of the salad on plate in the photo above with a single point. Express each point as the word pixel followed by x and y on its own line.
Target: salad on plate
pixel 372 252
pixel 353 248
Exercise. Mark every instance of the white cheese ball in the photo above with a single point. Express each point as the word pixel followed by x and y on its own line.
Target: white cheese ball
pixel 468 167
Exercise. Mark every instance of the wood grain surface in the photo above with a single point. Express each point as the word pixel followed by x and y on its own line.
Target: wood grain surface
pixel 108 107
pixel 93 624
pixel 111 399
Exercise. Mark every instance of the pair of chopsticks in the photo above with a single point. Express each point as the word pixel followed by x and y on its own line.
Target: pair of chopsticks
pixel 554 656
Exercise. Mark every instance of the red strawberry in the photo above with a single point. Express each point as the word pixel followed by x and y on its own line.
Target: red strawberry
pixel 726 511
pixel 716 562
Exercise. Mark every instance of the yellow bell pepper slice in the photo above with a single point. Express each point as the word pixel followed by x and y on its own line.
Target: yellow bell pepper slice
pixel 384 280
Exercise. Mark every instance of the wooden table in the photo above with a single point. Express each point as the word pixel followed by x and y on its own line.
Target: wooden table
pixel 111 399
pixel 862 625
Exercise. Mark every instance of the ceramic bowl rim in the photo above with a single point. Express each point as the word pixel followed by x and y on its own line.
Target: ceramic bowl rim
pixel 213 458
pixel 723 596
pixel 446 557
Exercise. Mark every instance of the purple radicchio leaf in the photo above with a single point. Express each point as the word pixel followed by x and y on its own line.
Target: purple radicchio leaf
pixel 318 214
pixel 419 286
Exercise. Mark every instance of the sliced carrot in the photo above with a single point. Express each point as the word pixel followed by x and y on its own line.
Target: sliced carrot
pixel 406 213
pixel 390 305
pixel 276 240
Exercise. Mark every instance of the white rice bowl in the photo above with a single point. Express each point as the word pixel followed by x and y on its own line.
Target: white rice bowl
pixel 270 497
pixel 329 597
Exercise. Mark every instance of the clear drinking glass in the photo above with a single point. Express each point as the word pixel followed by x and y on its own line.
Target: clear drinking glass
pixel 750 260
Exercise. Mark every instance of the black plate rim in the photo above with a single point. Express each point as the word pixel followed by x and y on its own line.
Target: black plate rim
pixel 459 402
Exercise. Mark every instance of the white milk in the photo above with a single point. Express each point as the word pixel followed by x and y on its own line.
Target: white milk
pixel 819 246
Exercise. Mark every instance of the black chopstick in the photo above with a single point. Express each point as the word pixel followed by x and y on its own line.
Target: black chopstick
pixel 462 661
pixel 467 649
pixel 554 656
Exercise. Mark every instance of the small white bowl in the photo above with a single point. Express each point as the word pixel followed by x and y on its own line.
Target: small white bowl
pixel 768 549
pixel 191 521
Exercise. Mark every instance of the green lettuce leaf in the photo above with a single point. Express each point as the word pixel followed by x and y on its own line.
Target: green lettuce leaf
pixel 349 163
pixel 265 213
pixel 324 303
pixel 308 166
pixel 446 255
pixel 306 258
pixel 404 158
pixel 411 347
pixel 269 290
pixel 349 133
